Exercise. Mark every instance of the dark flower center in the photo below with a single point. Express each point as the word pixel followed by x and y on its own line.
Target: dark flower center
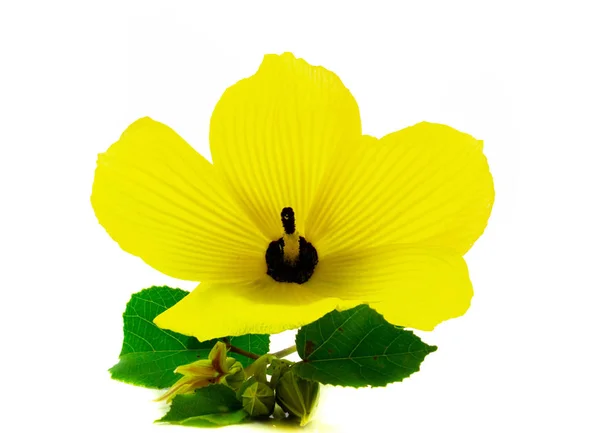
pixel 291 259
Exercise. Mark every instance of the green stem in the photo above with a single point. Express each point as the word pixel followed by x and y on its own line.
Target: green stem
pixel 285 352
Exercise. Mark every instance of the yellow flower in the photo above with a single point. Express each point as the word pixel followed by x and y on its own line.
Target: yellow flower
pixel 218 368
pixel 299 213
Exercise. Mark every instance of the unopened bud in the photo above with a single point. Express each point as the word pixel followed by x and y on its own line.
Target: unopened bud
pixel 258 398
pixel 235 375
pixel 297 396
pixel 277 369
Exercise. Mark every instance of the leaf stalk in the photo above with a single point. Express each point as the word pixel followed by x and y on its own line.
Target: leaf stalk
pixel 285 352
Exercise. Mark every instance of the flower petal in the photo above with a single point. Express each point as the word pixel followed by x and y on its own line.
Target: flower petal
pixel 272 135
pixel 428 184
pixel 411 286
pixel 264 307
pixel 161 201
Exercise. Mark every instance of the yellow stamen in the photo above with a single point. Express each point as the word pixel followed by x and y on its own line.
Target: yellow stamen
pixel 291 238
pixel 291 247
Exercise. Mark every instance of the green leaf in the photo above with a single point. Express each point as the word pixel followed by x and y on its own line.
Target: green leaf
pixel 212 406
pixel 358 347
pixel 150 354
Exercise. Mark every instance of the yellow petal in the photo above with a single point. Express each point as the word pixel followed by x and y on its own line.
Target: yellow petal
pixel 412 286
pixel 202 367
pixel 272 135
pixel 184 385
pixel 162 201
pixel 428 184
pixel 218 356
pixel 264 307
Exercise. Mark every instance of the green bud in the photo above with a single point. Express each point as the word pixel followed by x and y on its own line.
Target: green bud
pixel 277 369
pixel 258 398
pixel 297 396
pixel 235 374
pixel 258 369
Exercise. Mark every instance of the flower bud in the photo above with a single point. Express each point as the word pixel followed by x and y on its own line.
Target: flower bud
pixel 258 398
pixel 297 396
pixel 235 374
pixel 277 369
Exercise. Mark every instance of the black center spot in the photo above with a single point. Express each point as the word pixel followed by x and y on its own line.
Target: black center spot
pixel 299 271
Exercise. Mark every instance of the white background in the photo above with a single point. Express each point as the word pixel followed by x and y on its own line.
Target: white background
pixel 524 77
